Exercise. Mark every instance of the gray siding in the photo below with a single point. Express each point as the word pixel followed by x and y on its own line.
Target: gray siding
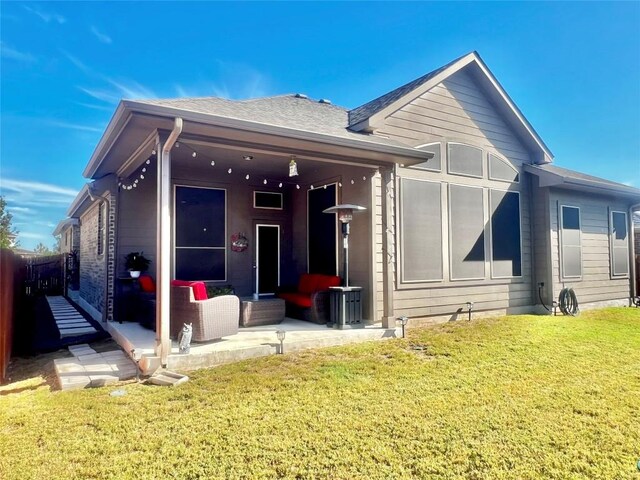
pixel 458 111
pixel 541 242
pixel 596 284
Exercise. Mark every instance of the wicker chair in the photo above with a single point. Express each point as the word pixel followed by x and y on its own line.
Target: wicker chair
pixel 212 319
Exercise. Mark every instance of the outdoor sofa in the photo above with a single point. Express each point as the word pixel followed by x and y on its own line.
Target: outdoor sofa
pixel 310 300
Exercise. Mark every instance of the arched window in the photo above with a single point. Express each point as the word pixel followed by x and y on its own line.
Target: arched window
pixel 502 170
pixel 465 160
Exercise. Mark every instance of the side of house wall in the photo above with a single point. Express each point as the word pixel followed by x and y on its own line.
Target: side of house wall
pixel 92 265
pixel 541 243
pixel 457 111
pixel 597 284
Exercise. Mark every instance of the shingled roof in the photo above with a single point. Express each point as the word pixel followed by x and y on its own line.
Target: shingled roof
pixel 291 111
pixel 365 111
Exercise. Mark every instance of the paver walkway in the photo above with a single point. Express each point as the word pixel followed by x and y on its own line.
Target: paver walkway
pixel 88 368
pixel 69 321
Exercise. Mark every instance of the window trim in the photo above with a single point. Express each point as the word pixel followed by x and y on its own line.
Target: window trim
pixel 450 238
pixel 561 242
pixel 101 237
pixel 270 193
pixel 401 225
pixel 507 162
pixel 490 224
pixel 611 247
pixel 175 247
pixel 437 170
pixel 482 160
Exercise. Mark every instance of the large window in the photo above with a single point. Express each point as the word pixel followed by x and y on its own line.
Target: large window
pixel 435 163
pixel 506 254
pixel 466 237
pixel 619 244
pixel 571 246
pixel 322 231
pixel 465 160
pixel 200 234
pixel 421 226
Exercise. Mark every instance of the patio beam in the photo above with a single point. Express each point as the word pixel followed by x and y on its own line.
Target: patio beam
pixel 163 244
pixel 388 248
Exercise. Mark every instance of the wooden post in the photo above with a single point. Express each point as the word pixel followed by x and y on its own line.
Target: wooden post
pixel 388 248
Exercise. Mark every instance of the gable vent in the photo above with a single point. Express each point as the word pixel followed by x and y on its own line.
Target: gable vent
pixel 300 95
pixel 324 100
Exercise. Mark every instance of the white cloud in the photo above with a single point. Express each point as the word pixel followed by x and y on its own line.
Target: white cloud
pixel 35 188
pixel 92 106
pixel 21 209
pixel 103 37
pixel 45 16
pixel 33 235
pixel 12 54
pixel 74 126
pixel 76 61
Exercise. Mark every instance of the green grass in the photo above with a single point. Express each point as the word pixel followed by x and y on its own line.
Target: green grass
pixel 513 397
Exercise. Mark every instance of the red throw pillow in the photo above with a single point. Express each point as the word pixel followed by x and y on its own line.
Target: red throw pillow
pixel 199 288
pixel 147 284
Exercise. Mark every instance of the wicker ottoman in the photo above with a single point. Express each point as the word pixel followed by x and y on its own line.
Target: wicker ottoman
pixel 265 311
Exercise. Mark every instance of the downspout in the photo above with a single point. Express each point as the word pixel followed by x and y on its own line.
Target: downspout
pixel 632 253
pixel 163 241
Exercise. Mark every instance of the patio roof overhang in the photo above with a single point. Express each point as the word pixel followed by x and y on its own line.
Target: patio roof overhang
pixel 134 127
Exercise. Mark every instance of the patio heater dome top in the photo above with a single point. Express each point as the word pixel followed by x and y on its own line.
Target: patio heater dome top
pixel 344 211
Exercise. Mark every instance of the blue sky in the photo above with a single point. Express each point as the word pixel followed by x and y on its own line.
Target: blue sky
pixel 572 68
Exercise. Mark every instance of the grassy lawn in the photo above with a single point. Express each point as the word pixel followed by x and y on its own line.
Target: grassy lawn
pixel 512 397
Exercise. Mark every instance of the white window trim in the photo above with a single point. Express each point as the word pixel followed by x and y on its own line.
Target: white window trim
pixel 491 233
pixel 561 242
pixel 270 225
pixel 450 239
pixel 505 161
pixel 269 193
pixel 611 247
pixel 175 247
pixel 401 224
pixel 482 160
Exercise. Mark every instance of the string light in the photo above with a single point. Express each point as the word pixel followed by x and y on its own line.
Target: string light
pixel 280 185
pixel 148 161
pixel 194 154
pixel 352 181
pixel 247 177
pixel 230 170
pixel 144 169
pixel 264 181
pixel 213 163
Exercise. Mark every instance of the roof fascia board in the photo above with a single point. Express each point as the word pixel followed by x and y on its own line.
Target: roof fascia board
pixel 244 125
pixel 374 120
pixel 114 129
pixel 63 224
pixel 77 202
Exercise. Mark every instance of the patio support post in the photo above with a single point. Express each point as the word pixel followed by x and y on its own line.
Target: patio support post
pixel 163 244
pixel 388 250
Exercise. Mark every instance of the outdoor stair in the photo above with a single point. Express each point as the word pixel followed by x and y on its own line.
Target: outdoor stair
pixel 88 368
pixel 69 321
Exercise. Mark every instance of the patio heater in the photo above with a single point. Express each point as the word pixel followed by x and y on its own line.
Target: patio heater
pixel 345 302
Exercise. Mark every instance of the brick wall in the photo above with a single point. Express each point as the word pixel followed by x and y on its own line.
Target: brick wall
pixel 92 265
pixel 110 251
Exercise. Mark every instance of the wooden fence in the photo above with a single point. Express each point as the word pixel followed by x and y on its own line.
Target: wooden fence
pixel 12 274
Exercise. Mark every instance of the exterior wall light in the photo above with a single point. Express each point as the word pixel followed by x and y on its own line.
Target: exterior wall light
pixel 469 308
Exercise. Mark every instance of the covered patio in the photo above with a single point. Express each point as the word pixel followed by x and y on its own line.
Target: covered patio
pixel 187 185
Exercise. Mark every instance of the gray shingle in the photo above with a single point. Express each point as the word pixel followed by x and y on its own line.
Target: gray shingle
pixel 283 110
pixel 584 178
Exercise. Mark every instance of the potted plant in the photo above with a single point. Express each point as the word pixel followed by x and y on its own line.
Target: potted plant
pixel 136 263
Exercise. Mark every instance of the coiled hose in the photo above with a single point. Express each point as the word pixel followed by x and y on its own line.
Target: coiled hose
pixel 568 302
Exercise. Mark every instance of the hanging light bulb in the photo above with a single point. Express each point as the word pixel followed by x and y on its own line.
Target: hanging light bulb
pixel 177 145
pixel 280 185
pixel 364 178
pixel 213 163
pixel 352 181
pixel 153 152
pixel 325 187
pixel 311 187
pixel 148 161
pixel 264 181
pixel 135 185
pixel 194 154
pixel 229 171
pixel 144 169
pixel 340 184
pixel 298 187
pixel 142 177
pixel 293 167
pixel 247 177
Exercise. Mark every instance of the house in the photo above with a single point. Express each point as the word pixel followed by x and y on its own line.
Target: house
pixel 68 233
pixel 464 206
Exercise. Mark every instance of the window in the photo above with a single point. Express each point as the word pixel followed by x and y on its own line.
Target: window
pixel 619 244
pixel 101 228
pixel 571 246
pixel 421 227
pixel 322 248
pixel 435 163
pixel 267 200
pixel 200 234
pixel 466 237
pixel 465 160
pixel 506 251
pixel 500 169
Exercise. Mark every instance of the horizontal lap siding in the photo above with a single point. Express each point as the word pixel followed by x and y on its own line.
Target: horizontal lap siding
pixel 457 110
pixel 596 284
